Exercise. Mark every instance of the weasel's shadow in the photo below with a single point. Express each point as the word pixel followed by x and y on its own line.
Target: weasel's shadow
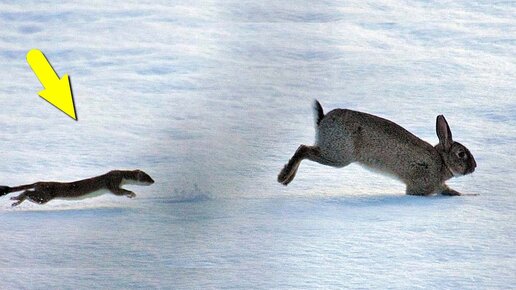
pixel 52 211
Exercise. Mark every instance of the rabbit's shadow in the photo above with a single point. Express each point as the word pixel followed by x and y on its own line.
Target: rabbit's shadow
pixel 387 200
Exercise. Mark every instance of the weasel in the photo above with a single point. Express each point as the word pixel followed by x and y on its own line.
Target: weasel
pixel 42 192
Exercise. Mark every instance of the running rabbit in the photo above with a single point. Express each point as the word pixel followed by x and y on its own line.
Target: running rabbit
pixel 346 136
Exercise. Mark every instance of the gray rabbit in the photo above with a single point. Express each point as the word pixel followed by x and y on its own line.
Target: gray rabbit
pixel 346 136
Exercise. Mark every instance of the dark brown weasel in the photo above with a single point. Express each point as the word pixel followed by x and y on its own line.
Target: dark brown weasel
pixel 42 192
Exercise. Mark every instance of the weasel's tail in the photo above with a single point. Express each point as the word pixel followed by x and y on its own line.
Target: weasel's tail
pixel 318 112
pixel 6 189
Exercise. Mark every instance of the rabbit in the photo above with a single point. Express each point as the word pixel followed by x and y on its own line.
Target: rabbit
pixel 345 136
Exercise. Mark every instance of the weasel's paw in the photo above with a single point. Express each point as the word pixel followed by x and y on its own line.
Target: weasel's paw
pixel 131 195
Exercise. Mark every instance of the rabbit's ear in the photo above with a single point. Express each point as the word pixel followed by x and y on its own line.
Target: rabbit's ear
pixel 444 133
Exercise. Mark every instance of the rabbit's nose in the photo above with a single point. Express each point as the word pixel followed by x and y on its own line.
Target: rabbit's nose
pixel 472 165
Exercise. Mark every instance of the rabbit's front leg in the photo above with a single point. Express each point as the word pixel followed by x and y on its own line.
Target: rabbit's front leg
pixel 449 192
pixel 419 188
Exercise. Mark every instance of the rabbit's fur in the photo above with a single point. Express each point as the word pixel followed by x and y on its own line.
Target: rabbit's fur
pixel 346 136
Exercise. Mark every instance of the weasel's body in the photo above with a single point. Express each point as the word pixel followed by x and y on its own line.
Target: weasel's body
pixel 42 192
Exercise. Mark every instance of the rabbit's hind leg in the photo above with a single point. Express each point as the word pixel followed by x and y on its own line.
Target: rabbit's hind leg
pixel 289 171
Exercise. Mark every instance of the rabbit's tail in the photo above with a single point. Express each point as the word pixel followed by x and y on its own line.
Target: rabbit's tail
pixel 318 112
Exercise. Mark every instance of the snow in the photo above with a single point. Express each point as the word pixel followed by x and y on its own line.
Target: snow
pixel 211 98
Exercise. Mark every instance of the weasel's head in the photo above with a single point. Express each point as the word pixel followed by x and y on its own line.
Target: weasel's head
pixel 140 178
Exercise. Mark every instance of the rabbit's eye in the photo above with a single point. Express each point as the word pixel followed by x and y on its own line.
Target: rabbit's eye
pixel 461 154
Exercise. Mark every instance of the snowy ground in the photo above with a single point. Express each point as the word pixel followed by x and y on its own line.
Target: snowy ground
pixel 211 98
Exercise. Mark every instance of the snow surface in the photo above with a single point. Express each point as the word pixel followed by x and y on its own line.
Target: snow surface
pixel 211 98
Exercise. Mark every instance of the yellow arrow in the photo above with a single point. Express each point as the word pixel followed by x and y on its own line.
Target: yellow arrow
pixel 57 90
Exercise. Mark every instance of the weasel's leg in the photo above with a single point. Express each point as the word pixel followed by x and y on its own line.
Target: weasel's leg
pixel 20 198
pixel 39 196
pixel 121 191
pixel 289 171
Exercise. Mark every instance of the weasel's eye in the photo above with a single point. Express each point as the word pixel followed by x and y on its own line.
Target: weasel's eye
pixel 461 154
